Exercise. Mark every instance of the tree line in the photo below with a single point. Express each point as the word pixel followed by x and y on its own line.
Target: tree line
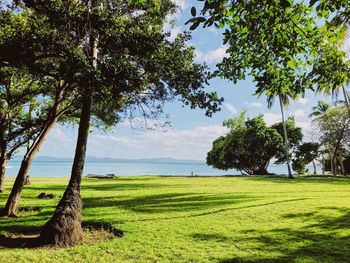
pixel 250 145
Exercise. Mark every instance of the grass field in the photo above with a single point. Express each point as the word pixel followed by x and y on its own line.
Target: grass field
pixel 223 219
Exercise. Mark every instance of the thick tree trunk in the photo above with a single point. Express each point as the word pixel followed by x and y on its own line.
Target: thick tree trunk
pixel 286 146
pixel 3 162
pixel 314 165
pixel 64 228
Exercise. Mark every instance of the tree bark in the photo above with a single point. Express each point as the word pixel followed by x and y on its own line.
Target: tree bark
pixel 64 228
pixel 27 180
pixel 11 206
pixel 286 146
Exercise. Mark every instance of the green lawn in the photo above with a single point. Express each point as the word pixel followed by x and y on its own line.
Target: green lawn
pixel 222 219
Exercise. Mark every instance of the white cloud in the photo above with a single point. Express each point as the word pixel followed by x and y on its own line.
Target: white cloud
pixel 174 31
pixel 272 118
pixel 303 101
pixel 231 108
pixel 170 25
pixel 182 144
pixel 299 113
pixel 212 56
pixel 253 104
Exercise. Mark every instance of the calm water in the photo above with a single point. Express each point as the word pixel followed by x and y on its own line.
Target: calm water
pixel 62 168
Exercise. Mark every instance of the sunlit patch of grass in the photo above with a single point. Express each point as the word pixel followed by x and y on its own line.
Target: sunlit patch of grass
pixel 222 219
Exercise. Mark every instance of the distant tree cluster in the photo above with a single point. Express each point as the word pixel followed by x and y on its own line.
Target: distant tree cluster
pixel 250 145
pixel 333 127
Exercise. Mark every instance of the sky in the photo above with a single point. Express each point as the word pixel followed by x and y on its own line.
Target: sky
pixel 191 133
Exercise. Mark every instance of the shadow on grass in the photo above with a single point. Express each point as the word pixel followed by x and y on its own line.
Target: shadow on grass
pixel 336 180
pixel 28 236
pixel 118 186
pixel 216 211
pixel 20 242
pixel 172 202
pixel 325 241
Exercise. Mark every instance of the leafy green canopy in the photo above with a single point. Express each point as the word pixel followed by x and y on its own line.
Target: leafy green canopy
pixel 305 154
pixel 295 137
pixel 137 67
pixel 334 130
pixel 248 147
pixel 281 44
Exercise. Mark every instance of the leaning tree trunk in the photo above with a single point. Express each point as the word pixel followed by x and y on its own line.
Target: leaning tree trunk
pixel 286 146
pixel 13 200
pixel 64 228
pixel 11 206
pixel 27 180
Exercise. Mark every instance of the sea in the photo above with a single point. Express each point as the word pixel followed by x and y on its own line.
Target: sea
pixel 54 168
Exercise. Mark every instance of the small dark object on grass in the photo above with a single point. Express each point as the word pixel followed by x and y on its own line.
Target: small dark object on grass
pixel 29 209
pixel 46 196
pixel 42 195
pixel 99 176
pixel 105 226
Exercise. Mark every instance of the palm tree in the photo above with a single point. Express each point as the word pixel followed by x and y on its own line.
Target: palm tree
pixel 284 100
pixel 320 109
pixel 317 113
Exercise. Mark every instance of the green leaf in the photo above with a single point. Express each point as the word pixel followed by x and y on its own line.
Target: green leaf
pixel 194 25
pixel 193 11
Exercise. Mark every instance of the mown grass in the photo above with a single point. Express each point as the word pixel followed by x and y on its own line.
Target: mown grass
pixel 188 219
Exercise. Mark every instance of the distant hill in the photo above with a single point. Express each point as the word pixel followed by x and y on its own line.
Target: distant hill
pixel 112 160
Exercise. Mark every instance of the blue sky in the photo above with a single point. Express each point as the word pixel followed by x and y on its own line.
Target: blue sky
pixel 191 133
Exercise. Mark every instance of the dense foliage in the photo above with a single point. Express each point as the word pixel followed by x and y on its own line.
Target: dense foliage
pixel 248 147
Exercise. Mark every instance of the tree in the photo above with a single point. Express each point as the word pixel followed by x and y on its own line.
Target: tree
pixel 27 45
pixel 126 60
pixel 248 147
pixel 334 134
pixel 16 92
pixel 279 43
pixel 295 137
pixel 320 109
pixel 305 154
